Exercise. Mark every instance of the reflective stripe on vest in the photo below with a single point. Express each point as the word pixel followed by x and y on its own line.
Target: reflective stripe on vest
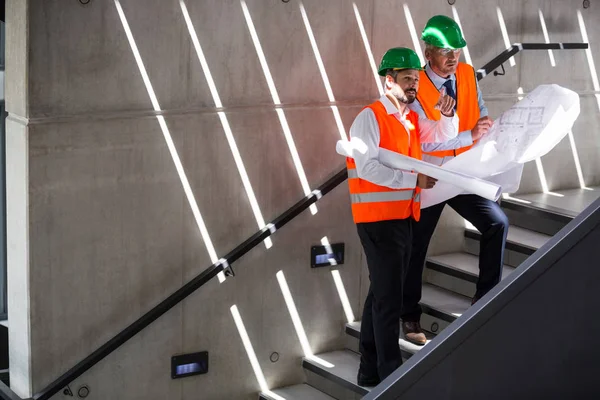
pixel 467 106
pixel 382 196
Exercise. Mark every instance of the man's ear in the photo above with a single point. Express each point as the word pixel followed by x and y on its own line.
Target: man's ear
pixel 389 81
pixel 427 54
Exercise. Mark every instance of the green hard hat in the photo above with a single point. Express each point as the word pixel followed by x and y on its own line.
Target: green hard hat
pixel 399 58
pixel 443 32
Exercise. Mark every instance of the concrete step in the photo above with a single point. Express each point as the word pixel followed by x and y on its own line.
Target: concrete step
pixel 537 217
pixel 353 334
pixel 440 308
pixel 334 373
pixel 295 392
pixel 520 244
pixel 339 380
pixel 569 201
pixel 442 305
pixel 457 272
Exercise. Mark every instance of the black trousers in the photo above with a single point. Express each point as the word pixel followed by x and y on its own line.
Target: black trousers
pixel 387 246
pixel 487 217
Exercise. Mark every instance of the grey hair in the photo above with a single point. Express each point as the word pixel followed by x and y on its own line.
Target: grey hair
pixel 429 48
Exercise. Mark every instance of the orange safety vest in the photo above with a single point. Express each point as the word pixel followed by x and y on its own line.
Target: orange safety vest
pixel 371 202
pixel 467 106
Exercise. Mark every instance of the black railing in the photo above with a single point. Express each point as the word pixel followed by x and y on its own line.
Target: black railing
pixel 517 47
pixel 225 264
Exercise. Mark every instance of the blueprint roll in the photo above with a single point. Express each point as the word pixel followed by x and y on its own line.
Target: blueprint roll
pixel 470 184
pixel 457 181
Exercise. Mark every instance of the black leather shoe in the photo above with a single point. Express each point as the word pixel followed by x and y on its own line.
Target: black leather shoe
pixel 366 380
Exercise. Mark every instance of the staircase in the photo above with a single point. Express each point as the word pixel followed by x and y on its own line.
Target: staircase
pixel 449 284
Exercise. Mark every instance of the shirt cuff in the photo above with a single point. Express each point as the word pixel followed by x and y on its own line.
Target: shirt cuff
pixel 455 123
pixel 465 138
pixel 409 179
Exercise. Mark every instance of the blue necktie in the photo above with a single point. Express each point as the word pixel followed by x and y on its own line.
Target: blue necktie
pixel 449 91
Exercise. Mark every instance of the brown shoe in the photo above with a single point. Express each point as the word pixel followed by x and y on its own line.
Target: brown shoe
pixel 413 333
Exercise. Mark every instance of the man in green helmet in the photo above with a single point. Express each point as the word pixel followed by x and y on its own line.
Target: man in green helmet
pixel 386 202
pixel 444 41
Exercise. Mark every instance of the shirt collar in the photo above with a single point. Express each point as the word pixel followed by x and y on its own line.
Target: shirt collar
pixel 437 80
pixel 391 108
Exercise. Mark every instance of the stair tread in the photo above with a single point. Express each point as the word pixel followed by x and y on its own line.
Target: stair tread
pixel 464 262
pixel 404 345
pixel 297 392
pixel 521 236
pixel 344 371
pixel 572 201
pixel 444 300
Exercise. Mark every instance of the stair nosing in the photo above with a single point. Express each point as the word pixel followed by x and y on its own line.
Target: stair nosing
pixel 436 312
pixel 455 270
pixel 267 396
pixel 555 213
pixel 319 370
pixel 450 270
pixel 510 245
pixel 353 332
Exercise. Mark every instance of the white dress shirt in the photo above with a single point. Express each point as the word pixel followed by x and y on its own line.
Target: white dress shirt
pixel 365 127
pixel 464 138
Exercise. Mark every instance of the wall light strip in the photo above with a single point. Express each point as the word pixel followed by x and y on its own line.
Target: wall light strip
pixel 413 33
pixel 363 34
pixel 505 34
pixel 225 123
pixel 260 376
pixel 339 284
pixel 277 101
pixel 547 38
pixel 289 301
pixel 169 140
pixel 544 183
pixel 590 58
pixel 509 197
pixel 466 49
pixel 321 65
pixel 577 162
pixel 542 175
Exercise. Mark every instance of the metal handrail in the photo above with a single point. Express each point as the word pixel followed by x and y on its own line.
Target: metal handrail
pixel 225 263
pixel 518 47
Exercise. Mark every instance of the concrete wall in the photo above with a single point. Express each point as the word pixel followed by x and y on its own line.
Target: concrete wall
pixel 100 228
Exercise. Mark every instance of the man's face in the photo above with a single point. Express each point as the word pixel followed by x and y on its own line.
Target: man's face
pixel 406 86
pixel 443 61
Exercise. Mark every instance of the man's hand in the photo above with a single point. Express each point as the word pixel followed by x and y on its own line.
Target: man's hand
pixel 481 128
pixel 445 104
pixel 425 182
